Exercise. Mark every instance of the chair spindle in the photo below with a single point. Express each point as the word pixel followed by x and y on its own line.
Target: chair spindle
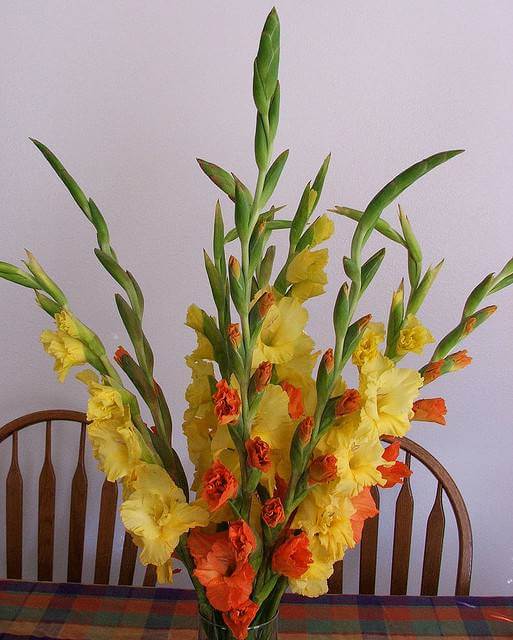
pixel 336 580
pixel 106 525
pixel 433 547
pixel 46 516
pixel 402 537
pixel 128 560
pixel 14 514
pixel 77 517
pixel 150 576
pixel 369 550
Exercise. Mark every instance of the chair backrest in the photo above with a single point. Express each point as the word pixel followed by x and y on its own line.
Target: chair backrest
pixel 106 513
pixel 403 524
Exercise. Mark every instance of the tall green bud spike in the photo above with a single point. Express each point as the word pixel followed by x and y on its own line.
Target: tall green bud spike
pixel 265 68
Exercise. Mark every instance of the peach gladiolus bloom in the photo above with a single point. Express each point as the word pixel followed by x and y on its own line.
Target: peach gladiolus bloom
pixel 239 619
pixel 222 565
pixel 365 508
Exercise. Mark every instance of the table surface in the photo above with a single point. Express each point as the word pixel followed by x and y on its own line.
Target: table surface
pixel 92 612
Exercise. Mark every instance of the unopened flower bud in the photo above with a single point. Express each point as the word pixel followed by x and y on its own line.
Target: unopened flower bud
pixel 363 322
pixel 262 376
pixel 265 302
pixel 120 352
pixel 349 401
pixel 458 360
pixel 305 429
pixel 327 360
pixel 234 335
pixel 234 266
pixel 430 410
pixel 273 512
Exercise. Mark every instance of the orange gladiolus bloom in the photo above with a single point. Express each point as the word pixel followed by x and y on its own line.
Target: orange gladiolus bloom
pixel 430 410
pixel 305 429
pixel 365 508
pixel 349 402
pixel 234 334
pixel 228 579
pixel 292 557
pixel 258 454
pixel 238 620
pixel 296 408
pixel 396 473
pixel 226 403
pixel 328 360
pixel 219 486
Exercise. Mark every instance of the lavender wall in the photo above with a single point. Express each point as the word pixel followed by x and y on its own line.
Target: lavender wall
pixel 129 93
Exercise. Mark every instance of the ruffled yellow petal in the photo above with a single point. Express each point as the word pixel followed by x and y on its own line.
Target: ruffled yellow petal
pixel 306 273
pixel 413 336
pixel 67 351
pixel 368 346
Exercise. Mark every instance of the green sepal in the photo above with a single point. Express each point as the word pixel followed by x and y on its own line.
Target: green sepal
pixel 242 210
pixel 477 295
pixel 266 267
pixel 133 327
pixel 409 237
pixel 274 112
pixel 395 320
pixel 102 231
pixel 272 176
pixel 258 238
pixel 136 376
pixel 262 143
pixel 462 330
pixel 138 293
pixel 69 182
pixel 47 304
pixel 224 180
pixel 341 314
pixel 237 290
pixel 351 268
pixel 44 281
pixel 353 335
pixel 318 182
pixel 505 282
pixel 370 268
pixel 216 282
pixel 301 217
pixel 419 294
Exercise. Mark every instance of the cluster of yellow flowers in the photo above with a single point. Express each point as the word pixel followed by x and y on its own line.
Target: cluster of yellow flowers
pixel 386 392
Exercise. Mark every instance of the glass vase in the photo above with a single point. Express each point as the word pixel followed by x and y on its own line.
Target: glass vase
pixel 208 630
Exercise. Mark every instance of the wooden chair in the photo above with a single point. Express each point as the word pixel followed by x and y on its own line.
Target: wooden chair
pixel 46 510
pixel 434 539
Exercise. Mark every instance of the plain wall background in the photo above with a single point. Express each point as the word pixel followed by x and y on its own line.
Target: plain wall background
pixel 129 93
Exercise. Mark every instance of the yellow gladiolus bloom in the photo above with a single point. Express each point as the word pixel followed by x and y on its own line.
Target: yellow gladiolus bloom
pixel 282 337
pixel 157 514
pixel 66 323
pixel 67 351
pixel 194 318
pixel 105 402
pixel 323 229
pixel 413 336
pixel 388 393
pixel 368 346
pixel 314 582
pixel 306 274
pixel 357 458
pixel 325 514
pixel 116 446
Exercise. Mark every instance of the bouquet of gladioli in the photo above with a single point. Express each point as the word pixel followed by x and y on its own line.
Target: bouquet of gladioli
pixel 284 453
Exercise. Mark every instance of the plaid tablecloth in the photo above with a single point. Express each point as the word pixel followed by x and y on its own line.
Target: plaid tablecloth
pixel 83 612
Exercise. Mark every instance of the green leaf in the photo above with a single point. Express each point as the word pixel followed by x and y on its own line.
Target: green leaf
pixel 216 283
pixel 272 176
pixel 301 217
pixel 102 231
pixel 224 180
pixel 218 243
pixel 76 192
pixel 390 192
pixel 266 267
pixel 47 304
pixel 382 226
pixel 18 276
pixel 242 210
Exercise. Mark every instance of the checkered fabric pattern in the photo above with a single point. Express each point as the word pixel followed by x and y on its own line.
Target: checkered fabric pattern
pixel 84 612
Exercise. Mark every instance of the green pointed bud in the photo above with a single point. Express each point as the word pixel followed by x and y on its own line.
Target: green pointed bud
pixel 224 180
pixel 262 143
pixel 477 295
pixel 418 296
pixel 318 182
pixel 272 176
pixel 215 281
pixel 409 236
pixel 265 68
pixel 134 373
pixel 102 231
pixel 351 269
pixel 353 335
pixel 274 113
pixel 236 284
pixel 18 276
pixel 47 304
pixel 266 267
pixel 325 374
pixel 395 320
pixel 300 218
pixel 258 313
pixel 341 313
pixel 256 245
pixel 370 268
pixel 218 243
pixel 242 210
pixel 44 280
